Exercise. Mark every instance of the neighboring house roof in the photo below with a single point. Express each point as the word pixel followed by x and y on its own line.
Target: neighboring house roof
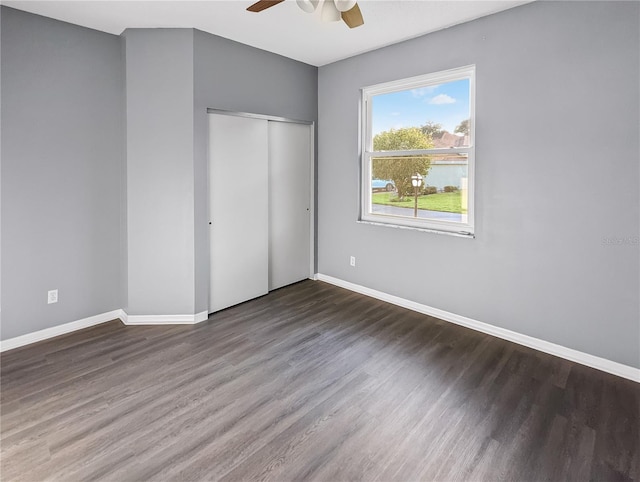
pixel 447 140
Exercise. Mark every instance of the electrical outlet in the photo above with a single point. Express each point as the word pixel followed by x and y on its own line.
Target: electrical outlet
pixel 52 296
pixel 352 261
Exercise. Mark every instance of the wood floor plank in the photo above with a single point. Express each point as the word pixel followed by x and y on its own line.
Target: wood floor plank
pixel 311 382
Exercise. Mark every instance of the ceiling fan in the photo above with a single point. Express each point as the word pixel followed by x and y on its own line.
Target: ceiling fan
pixel 332 10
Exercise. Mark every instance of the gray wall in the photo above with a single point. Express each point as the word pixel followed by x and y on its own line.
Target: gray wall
pixel 172 77
pixel 160 178
pixel 123 234
pixel 236 77
pixel 62 157
pixel 557 88
pixel 1 10
pixel 555 81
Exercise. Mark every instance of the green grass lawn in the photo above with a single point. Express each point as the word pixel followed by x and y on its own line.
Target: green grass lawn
pixel 448 202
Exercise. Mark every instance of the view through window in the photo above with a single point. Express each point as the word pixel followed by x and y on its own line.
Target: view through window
pixel 418 155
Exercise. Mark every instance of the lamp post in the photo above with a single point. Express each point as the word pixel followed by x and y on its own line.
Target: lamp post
pixel 416 182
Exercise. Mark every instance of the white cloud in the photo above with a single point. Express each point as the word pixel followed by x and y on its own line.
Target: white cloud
pixel 442 99
pixel 424 91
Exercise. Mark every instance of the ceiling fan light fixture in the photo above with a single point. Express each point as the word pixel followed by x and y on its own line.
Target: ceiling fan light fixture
pixel 308 6
pixel 344 5
pixel 329 9
pixel 329 12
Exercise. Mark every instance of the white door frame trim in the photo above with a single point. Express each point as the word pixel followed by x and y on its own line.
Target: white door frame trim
pixel 258 116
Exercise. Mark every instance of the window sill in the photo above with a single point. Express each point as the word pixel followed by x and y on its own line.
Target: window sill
pixel 415 228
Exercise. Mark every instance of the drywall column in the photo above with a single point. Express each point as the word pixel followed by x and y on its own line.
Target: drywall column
pixel 160 177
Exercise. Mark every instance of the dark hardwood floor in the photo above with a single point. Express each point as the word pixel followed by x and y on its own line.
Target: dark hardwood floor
pixel 311 382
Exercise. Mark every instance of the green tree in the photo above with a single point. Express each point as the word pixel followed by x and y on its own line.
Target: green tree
pixel 462 128
pixel 400 169
pixel 432 129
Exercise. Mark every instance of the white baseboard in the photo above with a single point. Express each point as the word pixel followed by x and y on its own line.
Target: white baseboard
pixel 47 333
pixel 165 319
pixel 40 335
pixel 592 361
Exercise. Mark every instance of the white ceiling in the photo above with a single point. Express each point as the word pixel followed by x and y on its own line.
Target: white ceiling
pixel 283 29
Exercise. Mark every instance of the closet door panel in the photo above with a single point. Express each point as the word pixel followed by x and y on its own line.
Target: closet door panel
pixel 238 210
pixel 289 203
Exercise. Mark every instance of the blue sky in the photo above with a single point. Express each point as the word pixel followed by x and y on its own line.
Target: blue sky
pixel 446 104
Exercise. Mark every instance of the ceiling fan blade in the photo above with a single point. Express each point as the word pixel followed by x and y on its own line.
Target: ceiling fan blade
pixel 353 18
pixel 263 5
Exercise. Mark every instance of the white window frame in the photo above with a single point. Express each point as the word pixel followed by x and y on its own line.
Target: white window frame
pixel 367 152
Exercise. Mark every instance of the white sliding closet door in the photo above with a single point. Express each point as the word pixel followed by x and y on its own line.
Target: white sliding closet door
pixel 289 203
pixel 238 210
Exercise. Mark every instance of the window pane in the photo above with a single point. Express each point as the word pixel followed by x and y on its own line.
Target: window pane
pixel 440 113
pixel 442 193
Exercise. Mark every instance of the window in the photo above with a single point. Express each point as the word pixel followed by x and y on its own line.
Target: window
pixel 418 152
